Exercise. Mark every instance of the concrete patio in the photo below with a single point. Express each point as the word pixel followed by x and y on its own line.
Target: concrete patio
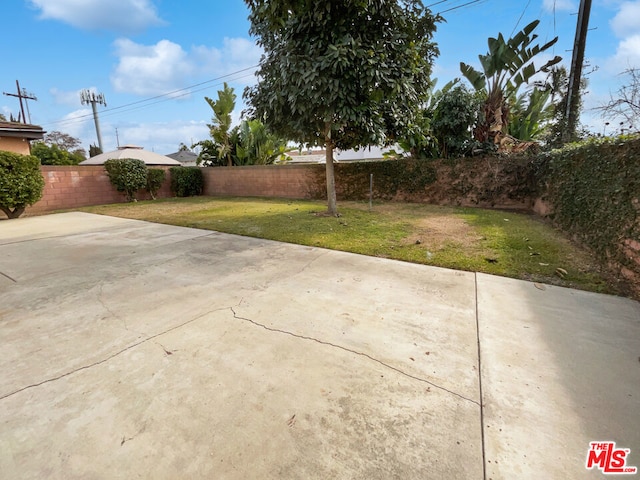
pixel 138 350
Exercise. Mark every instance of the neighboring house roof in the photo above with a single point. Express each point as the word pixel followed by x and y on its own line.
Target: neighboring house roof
pixel 184 156
pixel 21 130
pixel 132 151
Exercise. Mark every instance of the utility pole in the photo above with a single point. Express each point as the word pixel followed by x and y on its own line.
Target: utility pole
pixel 86 97
pixel 575 77
pixel 20 95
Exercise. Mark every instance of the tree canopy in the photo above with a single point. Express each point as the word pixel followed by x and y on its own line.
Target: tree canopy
pixel 54 155
pixel 341 74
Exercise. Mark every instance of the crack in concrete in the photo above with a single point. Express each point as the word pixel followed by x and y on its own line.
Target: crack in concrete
pixel 7 276
pixel 484 460
pixel 110 357
pixel 108 309
pixel 355 352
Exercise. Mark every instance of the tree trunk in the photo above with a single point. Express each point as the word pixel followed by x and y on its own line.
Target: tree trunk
pixel 332 207
pixel 15 213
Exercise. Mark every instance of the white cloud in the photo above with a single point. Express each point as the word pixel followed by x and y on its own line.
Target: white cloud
pixel 626 26
pixel 76 124
pixel 628 53
pixel 627 20
pixel 166 66
pixel 559 5
pixel 161 137
pixel 150 70
pixel 124 16
pixel 69 98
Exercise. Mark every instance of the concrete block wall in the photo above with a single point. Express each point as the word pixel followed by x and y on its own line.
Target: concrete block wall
pixel 81 186
pixel 283 181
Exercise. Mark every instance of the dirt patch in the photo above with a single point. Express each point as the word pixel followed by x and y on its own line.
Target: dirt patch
pixel 437 231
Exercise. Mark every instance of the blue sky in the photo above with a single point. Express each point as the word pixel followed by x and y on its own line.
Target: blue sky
pixel 134 50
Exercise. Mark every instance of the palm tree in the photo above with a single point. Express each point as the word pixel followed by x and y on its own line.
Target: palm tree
pixel 505 68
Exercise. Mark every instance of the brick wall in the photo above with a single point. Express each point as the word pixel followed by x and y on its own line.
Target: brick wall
pixel 81 186
pixel 284 181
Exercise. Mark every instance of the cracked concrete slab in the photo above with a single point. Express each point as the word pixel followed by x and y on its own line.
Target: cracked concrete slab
pixel 137 349
pixel 131 349
pixel 560 369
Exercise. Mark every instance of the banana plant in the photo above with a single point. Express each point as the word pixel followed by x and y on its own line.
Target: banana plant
pixel 221 126
pixel 505 68
pixel 530 113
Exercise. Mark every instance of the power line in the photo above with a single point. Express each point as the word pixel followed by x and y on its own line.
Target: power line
pixel 164 97
pixel 522 15
pixel 461 6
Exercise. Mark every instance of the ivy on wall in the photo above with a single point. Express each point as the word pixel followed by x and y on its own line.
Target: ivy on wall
pixel 390 177
pixel 486 181
pixel 594 190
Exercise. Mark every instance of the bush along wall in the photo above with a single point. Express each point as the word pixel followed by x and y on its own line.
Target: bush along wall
pixel 594 193
pixel 21 183
pixel 186 181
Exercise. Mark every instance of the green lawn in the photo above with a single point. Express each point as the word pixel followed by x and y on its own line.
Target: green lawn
pixel 502 243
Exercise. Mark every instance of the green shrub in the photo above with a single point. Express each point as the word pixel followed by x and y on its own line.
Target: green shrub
pixel 155 179
pixel 186 181
pixel 21 183
pixel 128 175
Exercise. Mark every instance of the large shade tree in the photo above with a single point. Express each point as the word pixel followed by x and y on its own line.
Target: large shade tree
pixel 341 74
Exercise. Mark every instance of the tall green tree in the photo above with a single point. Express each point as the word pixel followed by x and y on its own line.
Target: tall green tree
pixel 65 142
pixel 220 128
pixel 341 74
pixel 54 155
pixel 505 68
pixel 94 150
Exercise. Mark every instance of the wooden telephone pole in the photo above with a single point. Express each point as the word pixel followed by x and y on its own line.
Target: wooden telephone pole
pixel 20 95
pixel 575 77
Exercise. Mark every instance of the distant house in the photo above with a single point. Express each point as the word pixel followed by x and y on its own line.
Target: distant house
pixel 16 137
pixel 185 157
pixel 132 151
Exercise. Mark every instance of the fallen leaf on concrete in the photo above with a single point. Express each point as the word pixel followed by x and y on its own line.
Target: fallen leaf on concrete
pixel 539 286
pixel 412 359
pixel 292 420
